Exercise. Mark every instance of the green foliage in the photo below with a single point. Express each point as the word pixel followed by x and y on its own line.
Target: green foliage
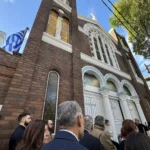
pixel 137 13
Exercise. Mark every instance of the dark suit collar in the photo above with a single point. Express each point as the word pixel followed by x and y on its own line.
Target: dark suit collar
pixel 86 131
pixel 65 135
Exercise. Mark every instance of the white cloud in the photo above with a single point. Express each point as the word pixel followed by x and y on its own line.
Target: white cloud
pixel 9 1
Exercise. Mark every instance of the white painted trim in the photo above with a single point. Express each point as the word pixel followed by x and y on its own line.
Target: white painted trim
pixel 104 66
pixel 96 23
pixel 56 42
pixel 118 52
pixel 81 30
pixel 139 80
pixel 65 6
pixel 1 107
pixel 115 81
pixel 129 86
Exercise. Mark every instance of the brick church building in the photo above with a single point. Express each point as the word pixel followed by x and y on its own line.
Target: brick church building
pixel 71 57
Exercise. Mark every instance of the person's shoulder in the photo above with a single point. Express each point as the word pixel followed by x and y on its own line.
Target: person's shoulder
pixel 46 147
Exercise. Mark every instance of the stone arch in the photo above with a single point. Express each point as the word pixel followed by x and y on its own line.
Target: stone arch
pixel 129 86
pixel 94 71
pixel 115 80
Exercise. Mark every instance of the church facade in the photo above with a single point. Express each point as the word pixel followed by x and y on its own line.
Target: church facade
pixel 71 57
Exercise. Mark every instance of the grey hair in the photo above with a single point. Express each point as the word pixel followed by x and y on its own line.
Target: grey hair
pixel 99 120
pixel 88 122
pixel 67 113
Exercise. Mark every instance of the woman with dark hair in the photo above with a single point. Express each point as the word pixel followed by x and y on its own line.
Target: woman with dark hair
pixel 128 126
pixel 137 141
pixel 35 135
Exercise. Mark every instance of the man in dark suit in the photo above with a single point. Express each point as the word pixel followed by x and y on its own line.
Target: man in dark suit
pixel 70 119
pixel 24 119
pixel 89 141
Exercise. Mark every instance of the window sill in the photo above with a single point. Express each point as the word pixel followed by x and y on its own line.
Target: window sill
pixel 65 6
pixel 56 42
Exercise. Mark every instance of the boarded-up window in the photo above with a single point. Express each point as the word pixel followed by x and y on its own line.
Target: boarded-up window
pixel 52 23
pixel 65 30
pixel 51 100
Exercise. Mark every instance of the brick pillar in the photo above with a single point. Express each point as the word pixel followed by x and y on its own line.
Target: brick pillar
pixel 77 74
pixel 18 91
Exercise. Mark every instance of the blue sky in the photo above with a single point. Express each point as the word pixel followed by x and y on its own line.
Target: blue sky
pixel 16 15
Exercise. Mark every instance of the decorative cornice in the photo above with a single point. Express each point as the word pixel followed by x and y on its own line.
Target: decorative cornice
pixel 56 42
pixel 65 6
pixel 139 80
pixel 104 66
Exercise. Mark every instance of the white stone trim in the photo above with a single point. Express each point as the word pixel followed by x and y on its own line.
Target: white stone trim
pixel 94 71
pixel 65 6
pixel 56 42
pixel 1 107
pixel 94 32
pixel 139 80
pixel 96 23
pixel 115 81
pixel 104 66
pixel 119 53
pixel 81 30
pixel 129 86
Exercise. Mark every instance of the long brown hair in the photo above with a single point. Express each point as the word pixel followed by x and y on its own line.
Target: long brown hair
pixel 33 136
pixel 128 126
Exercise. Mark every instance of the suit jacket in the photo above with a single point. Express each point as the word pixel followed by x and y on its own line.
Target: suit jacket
pixel 64 141
pixel 104 138
pixel 16 137
pixel 90 142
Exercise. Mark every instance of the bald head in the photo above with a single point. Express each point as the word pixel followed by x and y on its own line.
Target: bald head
pixel 88 122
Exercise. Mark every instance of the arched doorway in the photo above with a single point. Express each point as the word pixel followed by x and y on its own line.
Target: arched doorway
pixel 93 100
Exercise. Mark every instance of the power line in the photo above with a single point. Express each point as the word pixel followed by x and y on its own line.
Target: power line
pixel 138 40
pixel 120 20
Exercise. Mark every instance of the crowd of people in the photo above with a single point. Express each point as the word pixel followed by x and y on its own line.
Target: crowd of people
pixel 77 132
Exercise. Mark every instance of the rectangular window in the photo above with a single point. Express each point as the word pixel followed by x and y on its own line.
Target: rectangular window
pixel 52 22
pixel 110 59
pixel 65 30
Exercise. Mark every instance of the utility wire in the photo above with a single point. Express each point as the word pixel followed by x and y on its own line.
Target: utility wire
pixel 125 19
pixel 121 21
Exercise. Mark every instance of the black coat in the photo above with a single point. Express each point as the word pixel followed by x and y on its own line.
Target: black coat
pixel 122 145
pixel 64 141
pixel 16 137
pixel 90 142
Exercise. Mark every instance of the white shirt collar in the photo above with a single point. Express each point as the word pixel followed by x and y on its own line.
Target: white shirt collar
pixel 87 130
pixel 70 133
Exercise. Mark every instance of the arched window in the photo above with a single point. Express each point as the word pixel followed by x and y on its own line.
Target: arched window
pixel 91 80
pixel 126 90
pixel 111 86
pixel 52 23
pixel 50 108
pixel 65 30
pixel 96 48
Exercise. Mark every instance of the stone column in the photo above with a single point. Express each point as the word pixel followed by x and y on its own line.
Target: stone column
pixel 109 113
pixel 140 111
pixel 124 106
